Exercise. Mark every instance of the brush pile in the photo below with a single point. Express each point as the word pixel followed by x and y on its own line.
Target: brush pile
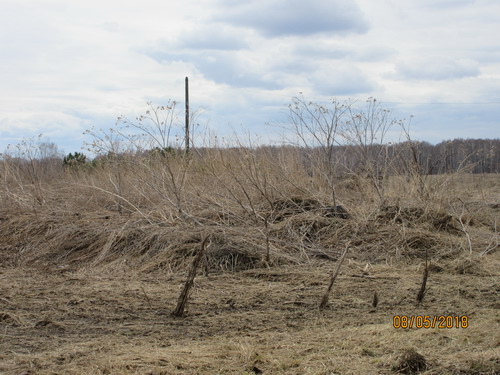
pixel 260 209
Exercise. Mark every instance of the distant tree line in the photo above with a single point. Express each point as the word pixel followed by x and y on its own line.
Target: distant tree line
pixel 479 155
pixel 467 155
pixel 472 155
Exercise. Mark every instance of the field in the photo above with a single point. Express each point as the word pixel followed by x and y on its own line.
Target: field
pixel 93 262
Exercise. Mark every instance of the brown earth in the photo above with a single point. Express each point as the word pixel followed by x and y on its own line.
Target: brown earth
pixel 89 273
pixel 250 322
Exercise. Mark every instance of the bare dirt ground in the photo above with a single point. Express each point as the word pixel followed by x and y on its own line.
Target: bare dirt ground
pixel 260 321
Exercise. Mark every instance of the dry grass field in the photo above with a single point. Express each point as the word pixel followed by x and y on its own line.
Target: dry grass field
pixel 92 261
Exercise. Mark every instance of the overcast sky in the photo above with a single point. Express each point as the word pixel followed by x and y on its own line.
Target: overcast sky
pixel 68 65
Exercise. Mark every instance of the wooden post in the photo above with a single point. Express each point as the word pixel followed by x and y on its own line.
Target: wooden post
pixel 186 139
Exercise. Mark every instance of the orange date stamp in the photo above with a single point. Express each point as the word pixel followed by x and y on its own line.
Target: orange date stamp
pixel 430 321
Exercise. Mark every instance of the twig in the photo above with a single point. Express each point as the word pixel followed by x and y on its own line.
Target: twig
pixel 375 299
pixel 494 241
pixel 324 300
pixel 492 245
pixel 183 297
pixel 147 297
pixel 376 277
pixel 268 256
pixel 466 234
pixel 423 287
pixel 119 197
pixel 459 217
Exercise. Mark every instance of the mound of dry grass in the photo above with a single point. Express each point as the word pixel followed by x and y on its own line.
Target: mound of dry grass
pixel 260 209
pixel 410 362
pixel 467 266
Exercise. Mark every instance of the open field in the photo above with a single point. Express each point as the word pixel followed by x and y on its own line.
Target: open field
pixel 262 320
pixel 92 261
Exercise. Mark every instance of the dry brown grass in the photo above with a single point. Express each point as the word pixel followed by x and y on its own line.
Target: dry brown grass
pixel 94 322
pixel 92 263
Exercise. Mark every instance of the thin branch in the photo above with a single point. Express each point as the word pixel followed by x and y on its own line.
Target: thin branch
pixel 324 300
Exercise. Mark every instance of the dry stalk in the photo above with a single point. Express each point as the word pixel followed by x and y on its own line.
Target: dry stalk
pixel 469 242
pixel 462 224
pixel 147 297
pixel 268 255
pixel 120 198
pixel 493 242
pixel 324 300
pixel 375 299
pixel 183 297
pixel 423 287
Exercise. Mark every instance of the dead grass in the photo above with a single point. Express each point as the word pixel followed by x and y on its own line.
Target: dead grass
pixel 92 266
pixel 91 322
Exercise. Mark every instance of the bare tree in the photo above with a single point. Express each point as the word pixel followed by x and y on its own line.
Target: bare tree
pixel 365 130
pixel 317 126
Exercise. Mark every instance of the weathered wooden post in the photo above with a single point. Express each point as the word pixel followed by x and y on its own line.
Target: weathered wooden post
pixel 186 139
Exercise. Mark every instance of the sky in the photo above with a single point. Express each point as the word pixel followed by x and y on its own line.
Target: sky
pixel 68 66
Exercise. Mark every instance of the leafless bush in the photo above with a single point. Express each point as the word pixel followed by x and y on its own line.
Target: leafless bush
pixel 27 168
pixel 268 205
pixel 345 138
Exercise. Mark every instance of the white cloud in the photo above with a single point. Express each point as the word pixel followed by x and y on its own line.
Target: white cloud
pixel 66 65
pixel 432 4
pixel 335 50
pixel 295 17
pixel 337 80
pixel 212 37
pixel 437 68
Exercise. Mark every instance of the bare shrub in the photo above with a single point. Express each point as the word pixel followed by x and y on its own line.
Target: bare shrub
pixel 144 200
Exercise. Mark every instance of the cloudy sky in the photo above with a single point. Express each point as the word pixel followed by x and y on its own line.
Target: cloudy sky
pixel 66 66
